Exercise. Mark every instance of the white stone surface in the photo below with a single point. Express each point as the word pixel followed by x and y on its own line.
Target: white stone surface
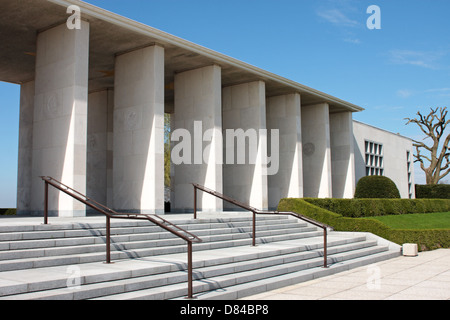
pixel 316 151
pixel 138 175
pixel 410 249
pixel 60 116
pixel 395 148
pixel 99 146
pixel 422 278
pixel 198 98
pixel 284 114
pixel 342 155
pixel 24 176
pixel 244 107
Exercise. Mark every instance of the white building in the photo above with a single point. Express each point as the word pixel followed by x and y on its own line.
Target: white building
pixel 379 152
pixel 93 97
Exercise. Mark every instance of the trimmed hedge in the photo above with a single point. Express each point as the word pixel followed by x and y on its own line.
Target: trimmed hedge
pixel 436 191
pixel 379 187
pixel 356 208
pixel 7 212
pixel 426 239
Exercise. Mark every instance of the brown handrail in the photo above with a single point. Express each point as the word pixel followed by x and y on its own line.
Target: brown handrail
pixel 257 211
pixel 109 213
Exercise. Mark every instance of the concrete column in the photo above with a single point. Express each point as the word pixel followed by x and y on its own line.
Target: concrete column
pixel 24 175
pixel 198 98
pixel 99 146
pixel 138 178
pixel 110 151
pixel 316 151
pixel 283 113
pixel 60 116
pixel 342 155
pixel 244 114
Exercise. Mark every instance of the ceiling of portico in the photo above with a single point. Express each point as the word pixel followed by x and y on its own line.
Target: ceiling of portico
pixel 110 34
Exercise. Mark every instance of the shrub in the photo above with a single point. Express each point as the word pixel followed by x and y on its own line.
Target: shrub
pixel 426 239
pixel 7 212
pixel 376 187
pixel 356 208
pixel 436 191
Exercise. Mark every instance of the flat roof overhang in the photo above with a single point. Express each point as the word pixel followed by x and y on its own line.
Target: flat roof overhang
pixel 111 35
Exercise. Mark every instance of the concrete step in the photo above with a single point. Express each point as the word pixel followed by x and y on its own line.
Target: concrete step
pixel 38 258
pixel 259 265
pixel 150 263
pixel 156 236
pixel 17 233
pixel 208 286
pixel 25 254
pixel 82 230
pixel 246 289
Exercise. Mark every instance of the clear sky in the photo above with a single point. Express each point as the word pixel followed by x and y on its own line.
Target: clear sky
pixel 392 72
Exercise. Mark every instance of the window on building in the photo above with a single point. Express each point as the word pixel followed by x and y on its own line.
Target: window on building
pixel 408 166
pixel 374 158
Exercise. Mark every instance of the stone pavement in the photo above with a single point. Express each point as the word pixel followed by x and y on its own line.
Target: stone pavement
pixel 424 277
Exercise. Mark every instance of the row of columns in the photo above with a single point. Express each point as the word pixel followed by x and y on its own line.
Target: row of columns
pixel 110 144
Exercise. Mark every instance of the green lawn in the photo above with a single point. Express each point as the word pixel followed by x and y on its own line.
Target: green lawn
pixel 422 221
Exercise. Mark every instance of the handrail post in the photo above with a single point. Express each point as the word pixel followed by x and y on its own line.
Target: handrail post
pixel 254 229
pixel 190 290
pixel 325 248
pixel 108 239
pixel 46 203
pixel 195 202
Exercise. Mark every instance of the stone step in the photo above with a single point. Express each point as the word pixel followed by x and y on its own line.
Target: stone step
pixel 251 288
pixel 39 258
pixel 151 263
pixel 203 269
pixel 47 261
pixel 17 233
pixel 204 284
pixel 98 236
pixel 56 277
pixel 99 222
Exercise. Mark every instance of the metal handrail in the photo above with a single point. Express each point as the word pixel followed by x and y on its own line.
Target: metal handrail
pixel 109 213
pixel 257 211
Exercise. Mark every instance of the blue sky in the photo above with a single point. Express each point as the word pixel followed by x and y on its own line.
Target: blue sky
pixel 393 72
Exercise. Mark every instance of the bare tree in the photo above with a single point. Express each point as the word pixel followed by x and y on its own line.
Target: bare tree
pixel 433 126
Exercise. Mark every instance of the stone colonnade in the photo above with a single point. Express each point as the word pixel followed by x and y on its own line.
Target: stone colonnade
pixel 109 143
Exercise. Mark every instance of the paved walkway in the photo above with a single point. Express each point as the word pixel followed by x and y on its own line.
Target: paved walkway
pixel 425 277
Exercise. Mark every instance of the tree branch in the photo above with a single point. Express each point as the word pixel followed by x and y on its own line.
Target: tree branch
pixel 444 174
pixel 433 126
pixel 422 145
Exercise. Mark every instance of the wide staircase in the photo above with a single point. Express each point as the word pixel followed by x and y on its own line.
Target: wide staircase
pixel 66 259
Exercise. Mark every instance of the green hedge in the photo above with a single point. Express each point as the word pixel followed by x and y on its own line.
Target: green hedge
pixel 379 187
pixel 356 208
pixel 7 212
pixel 426 239
pixel 436 191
